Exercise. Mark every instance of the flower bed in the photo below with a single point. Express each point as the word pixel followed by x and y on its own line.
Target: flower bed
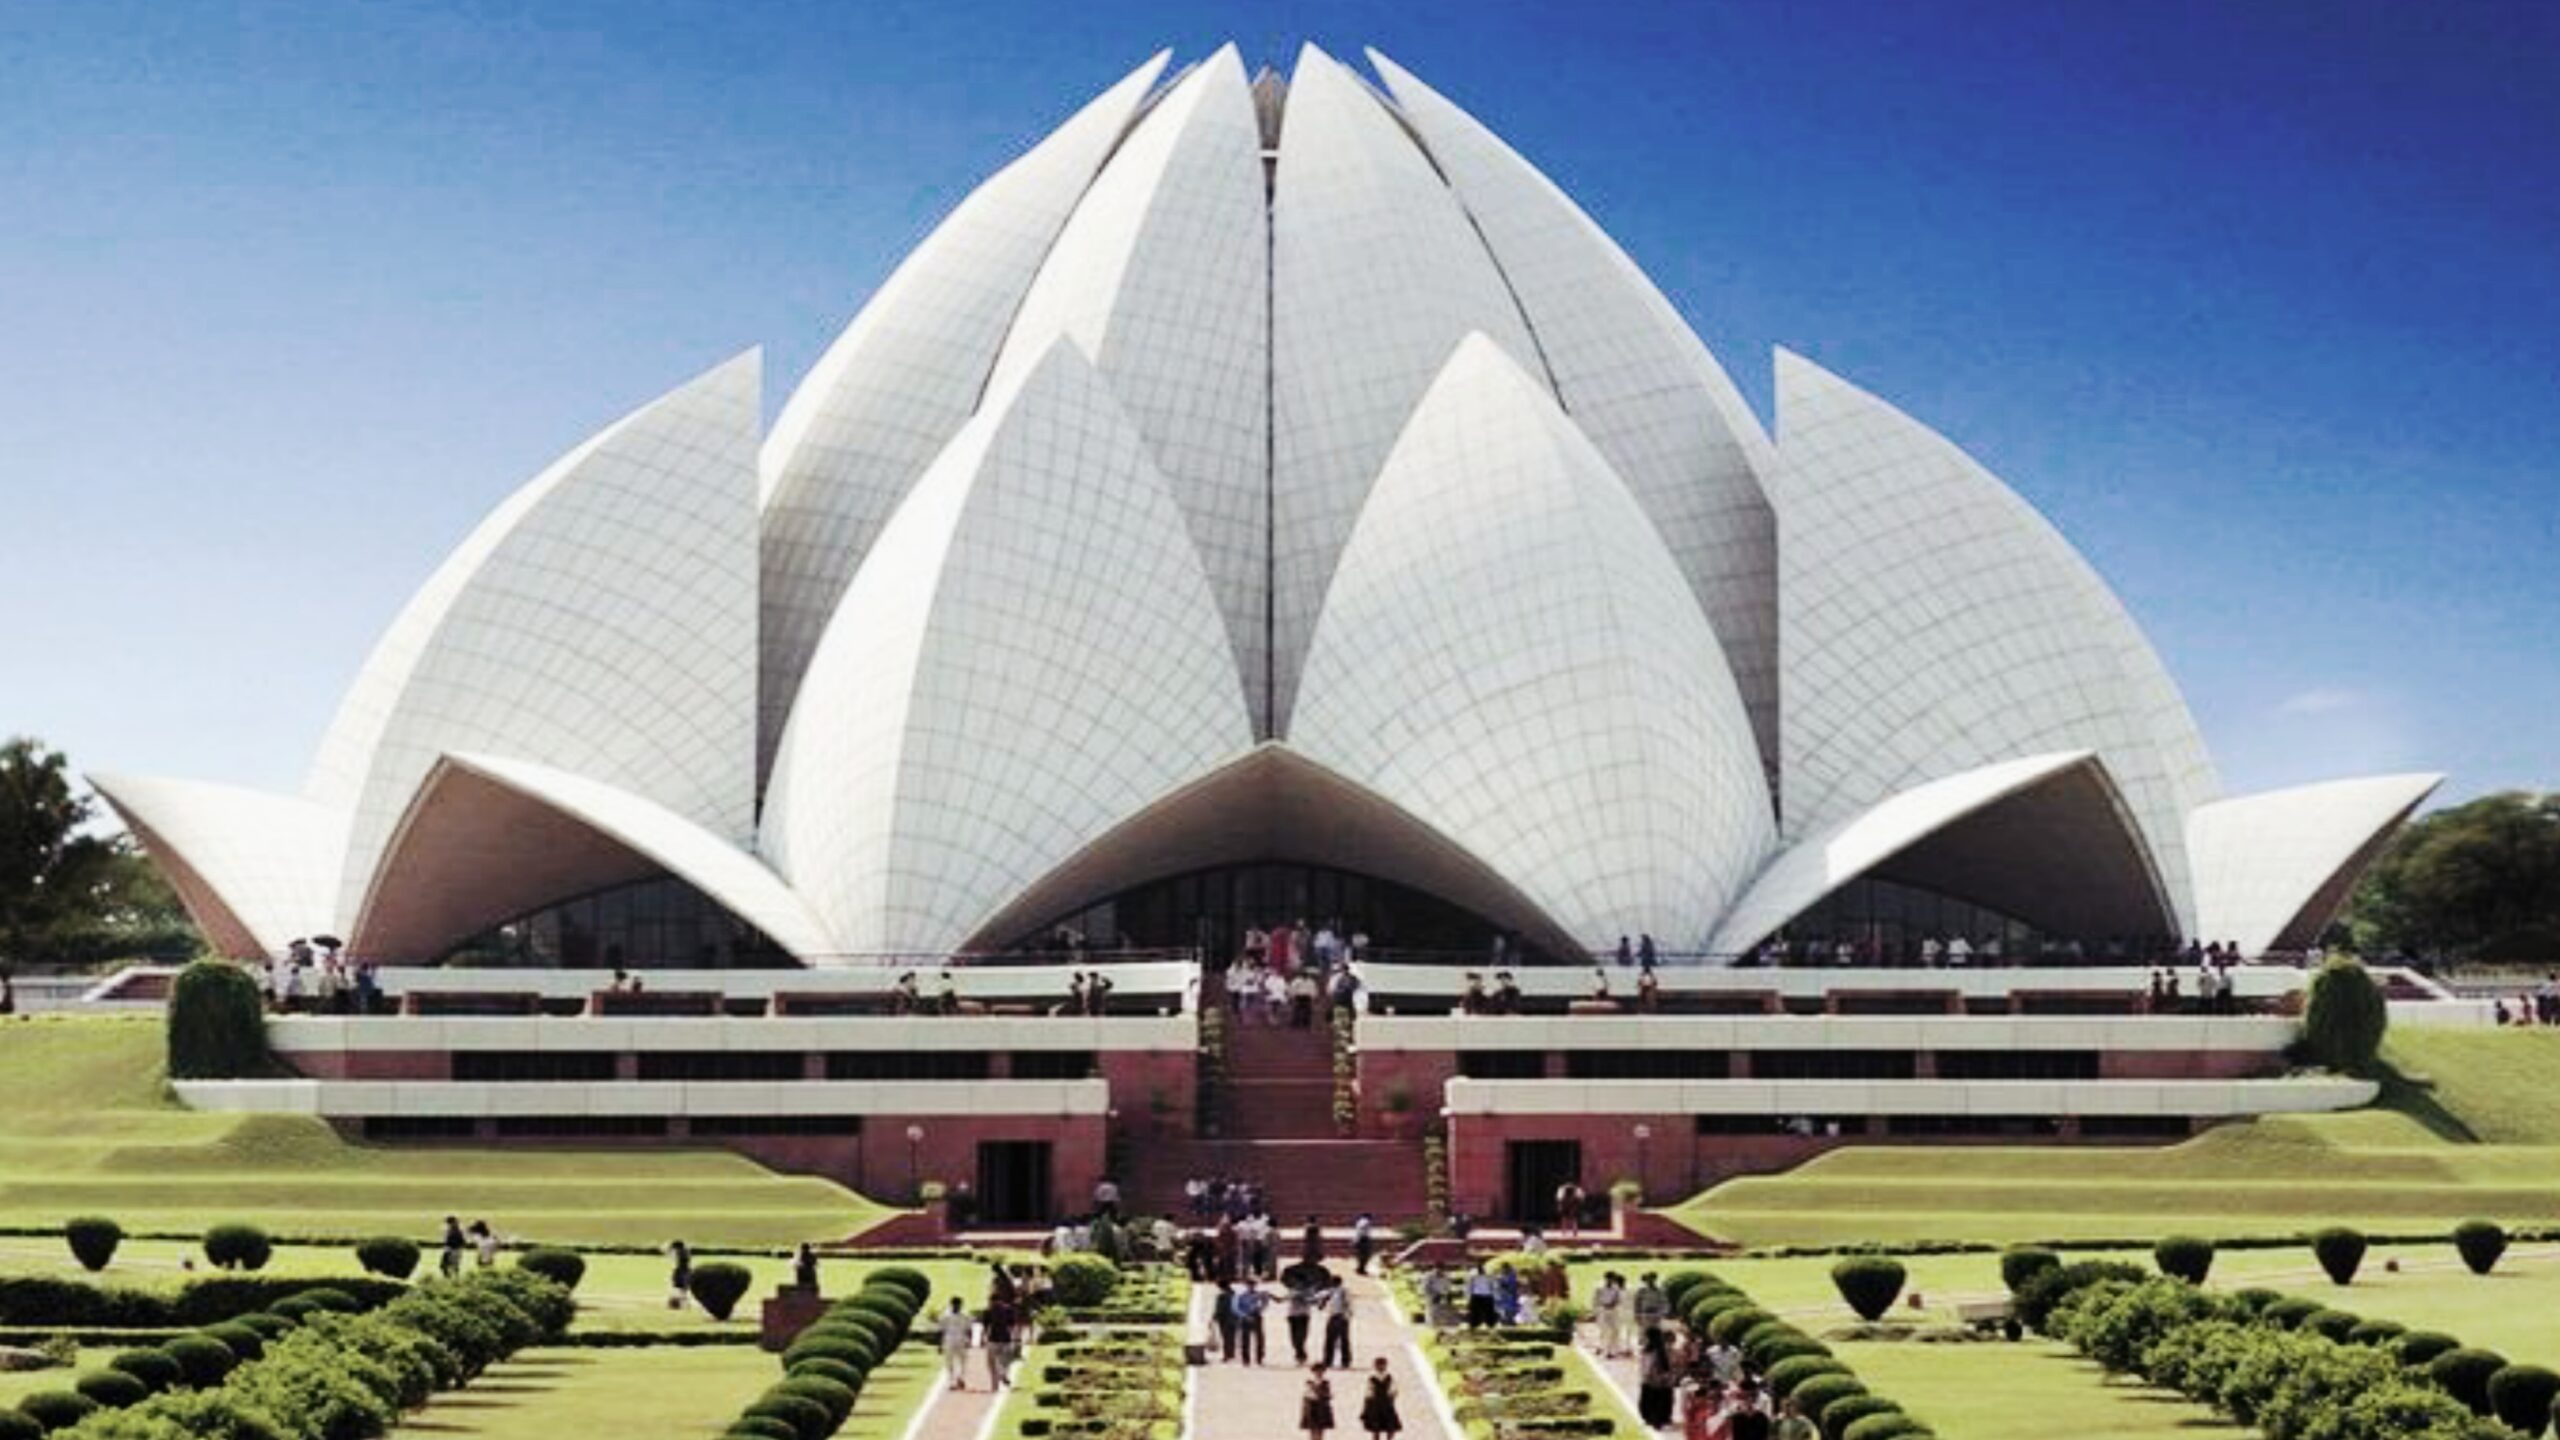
pixel 1111 1371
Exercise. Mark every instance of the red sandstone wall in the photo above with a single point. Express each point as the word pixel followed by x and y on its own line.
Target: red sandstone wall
pixel 1423 1074
pixel 1156 1091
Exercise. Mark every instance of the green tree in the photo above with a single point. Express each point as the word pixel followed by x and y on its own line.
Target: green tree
pixel 68 893
pixel 2467 881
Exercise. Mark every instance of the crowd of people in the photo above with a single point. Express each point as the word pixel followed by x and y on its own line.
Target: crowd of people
pixel 316 977
pixel 1015 1293
pixel 1703 1388
pixel 1282 976
pixel 2540 1007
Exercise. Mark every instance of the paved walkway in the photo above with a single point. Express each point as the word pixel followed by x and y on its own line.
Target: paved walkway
pixel 949 1414
pixel 1247 1402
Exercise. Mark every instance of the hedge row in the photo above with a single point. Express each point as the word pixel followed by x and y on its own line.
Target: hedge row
pixel 2295 1369
pixel 1795 1365
pixel 824 1370
pixel 330 1373
pixel 54 1302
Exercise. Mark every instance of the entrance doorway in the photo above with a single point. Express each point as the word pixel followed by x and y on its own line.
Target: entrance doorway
pixel 1536 1168
pixel 1013 1182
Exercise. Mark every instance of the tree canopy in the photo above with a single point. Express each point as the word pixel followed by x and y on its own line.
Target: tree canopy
pixel 70 893
pixel 2476 881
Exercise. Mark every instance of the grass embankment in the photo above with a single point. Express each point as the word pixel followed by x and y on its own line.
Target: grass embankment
pixel 2468 1126
pixel 551 1393
pixel 90 1128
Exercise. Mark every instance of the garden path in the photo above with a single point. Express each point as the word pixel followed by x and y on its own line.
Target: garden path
pixel 1247 1402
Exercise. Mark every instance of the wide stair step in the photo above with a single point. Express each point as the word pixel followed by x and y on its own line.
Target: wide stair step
pixel 1334 1180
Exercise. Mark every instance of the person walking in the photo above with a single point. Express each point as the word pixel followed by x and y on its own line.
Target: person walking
pixel 679 1272
pixel 1609 1314
pixel 1378 1407
pixel 484 1243
pixel 1337 1327
pixel 1654 1380
pixel 1251 1343
pixel 955 1327
pixel 449 1263
pixel 1222 1314
pixel 1004 1340
pixel 1481 1314
pixel 1652 1307
pixel 1301 1309
pixel 1315 1406
pixel 1364 1242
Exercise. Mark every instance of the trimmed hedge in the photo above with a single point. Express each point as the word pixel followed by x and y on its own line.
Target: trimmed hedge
pixel 2480 1243
pixel 720 1285
pixel 1840 1414
pixel 2024 1263
pixel 216 1024
pixel 389 1255
pixel 18 1425
pixel 1814 1394
pixel 2344 1019
pixel 836 1370
pixel 2464 1375
pixel 1729 1326
pixel 2340 1252
pixel 1893 1425
pixel 112 1389
pixel 2334 1325
pixel 808 1419
pixel 1784 1376
pixel 93 1240
pixel 2418 1348
pixel 564 1268
pixel 156 1369
pixel 238 1247
pixel 2522 1396
pixel 1869 1283
pixel 203 1359
pixel 914 1282
pixel 57 1409
pixel 2376 1332
pixel 1082 1281
pixel 762 1427
pixel 2184 1257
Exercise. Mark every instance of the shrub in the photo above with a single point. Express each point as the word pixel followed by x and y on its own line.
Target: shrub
pixel 2464 1375
pixel 2480 1242
pixel 156 1369
pixel 2024 1263
pixel 267 1323
pixel 1081 1281
pixel 57 1409
pixel 867 1347
pixel 1840 1414
pixel 914 1282
pixel 808 1419
pixel 1811 1396
pixel 2184 1257
pixel 19 1425
pixel 1869 1283
pixel 837 1396
pixel 302 1303
pixel 388 1255
pixel 2289 1312
pixel 564 1268
pixel 843 1349
pixel 836 1370
pixel 93 1240
pixel 1708 1303
pixel 112 1389
pixel 204 1359
pixel 762 1427
pixel 1791 1344
pixel 2046 1291
pixel 2376 1333
pixel 2331 1325
pixel 1677 1285
pixel 2419 1347
pixel 2343 1023
pixel 1888 1426
pixel 215 1025
pixel 2340 1251
pixel 1730 1326
pixel 2521 1395
pixel 1784 1376
pixel 237 1247
pixel 720 1285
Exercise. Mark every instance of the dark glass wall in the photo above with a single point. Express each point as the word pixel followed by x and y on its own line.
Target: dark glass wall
pixel 657 924
pixel 1211 909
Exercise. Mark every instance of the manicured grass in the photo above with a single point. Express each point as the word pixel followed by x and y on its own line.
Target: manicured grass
pixel 554 1393
pixel 16 1385
pixel 2402 1166
pixel 90 1128
pixel 2029 1391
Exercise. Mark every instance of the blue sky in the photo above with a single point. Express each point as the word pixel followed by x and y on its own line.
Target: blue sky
pixel 2259 302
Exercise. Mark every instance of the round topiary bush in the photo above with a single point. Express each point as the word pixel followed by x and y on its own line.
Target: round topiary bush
pixel 918 1286
pixel 2521 1395
pixel 720 1285
pixel 1892 1426
pixel 204 1359
pixel 388 1255
pixel 870 1332
pixel 112 1389
pixel 2184 1257
pixel 19 1425
pixel 216 1024
pixel 806 1417
pixel 1869 1283
pixel 2420 1347
pixel 2024 1263
pixel 2289 1312
pixel 1707 1303
pixel 1730 1326
pixel 57 1409
pixel 237 1247
pixel 156 1369
pixel 2344 1020
pixel 837 1396
pixel 1793 1345
pixel 318 1297
pixel 2254 1301
pixel 2464 1375
pixel 2480 1243
pixel 1082 1281
pixel 2376 1333
pixel 762 1427
pixel 1785 1375
pixel 832 1369
pixel 2329 1324
pixel 1840 1414
pixel 1814 1394
pixel 2340 1252
pixel 564 1268
pixel 845 1350
pixel 1677 1285
pixel 93 1240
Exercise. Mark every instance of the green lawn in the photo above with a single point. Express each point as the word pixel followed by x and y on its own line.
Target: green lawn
pixel 2029 1391
pixel 2473 1129
pixel 90 1128
pixel 673 1391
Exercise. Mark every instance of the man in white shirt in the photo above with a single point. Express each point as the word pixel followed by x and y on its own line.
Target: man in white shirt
pixel 955 1327
pixel 1959 953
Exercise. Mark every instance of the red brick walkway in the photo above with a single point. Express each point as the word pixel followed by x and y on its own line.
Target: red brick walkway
pixel 1245 1402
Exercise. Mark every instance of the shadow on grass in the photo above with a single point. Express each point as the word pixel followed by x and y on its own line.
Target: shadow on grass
pixel 2415 1097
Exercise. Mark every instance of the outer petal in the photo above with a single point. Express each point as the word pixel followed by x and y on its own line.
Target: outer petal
pixel 1510 655
pixel 2045 839
pixel 2272 869
pixel 490 838
pixel 1376 275
pixel 602 618
pixel 255 870
pixel 1031 655
pixel 902 378
pixel 1162 276
pixel 1635 379
pixel 1933 622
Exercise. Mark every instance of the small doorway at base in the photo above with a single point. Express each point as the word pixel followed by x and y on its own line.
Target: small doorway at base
pixel 1535 1169
pixel 1013 1183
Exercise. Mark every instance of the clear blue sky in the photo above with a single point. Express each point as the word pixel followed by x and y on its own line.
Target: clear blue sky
pixel 2259 301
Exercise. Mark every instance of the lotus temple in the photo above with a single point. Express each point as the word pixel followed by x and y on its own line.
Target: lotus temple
pixel 1267 498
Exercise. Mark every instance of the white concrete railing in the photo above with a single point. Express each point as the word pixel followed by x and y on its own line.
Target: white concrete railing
pixel 1573 982
pixel 329 1034
pixel 1825 1032
pixel 995 983
pixel 460 1099
pixel 1781 1098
